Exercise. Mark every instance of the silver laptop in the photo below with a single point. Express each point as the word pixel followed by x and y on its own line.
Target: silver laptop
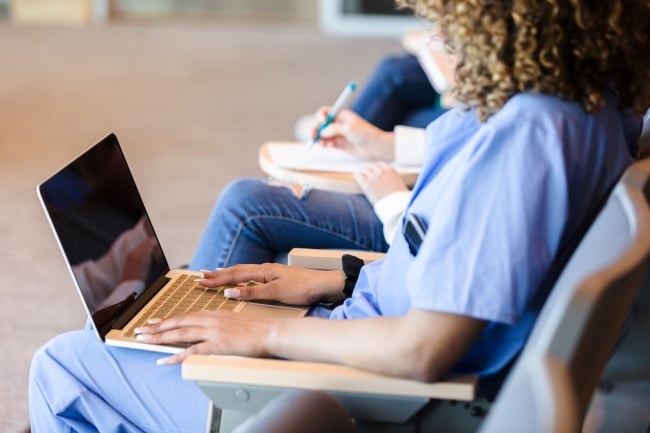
pixel 116 261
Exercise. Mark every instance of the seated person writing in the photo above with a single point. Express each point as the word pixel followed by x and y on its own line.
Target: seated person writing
pixel 256 221
pixel 552 98
pixel 399 91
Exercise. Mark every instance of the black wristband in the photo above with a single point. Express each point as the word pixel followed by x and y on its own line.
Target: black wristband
pixel 351 268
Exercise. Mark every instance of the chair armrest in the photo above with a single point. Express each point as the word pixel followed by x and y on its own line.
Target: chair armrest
pixel 320 376
pixel 327 259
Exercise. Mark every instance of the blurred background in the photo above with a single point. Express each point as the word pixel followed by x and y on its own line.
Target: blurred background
pixel 378 17
pixel 191 88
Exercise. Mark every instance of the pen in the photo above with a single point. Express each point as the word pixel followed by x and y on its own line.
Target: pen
pixel 338 105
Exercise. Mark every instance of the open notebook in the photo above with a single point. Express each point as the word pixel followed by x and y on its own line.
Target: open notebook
pixel 300 156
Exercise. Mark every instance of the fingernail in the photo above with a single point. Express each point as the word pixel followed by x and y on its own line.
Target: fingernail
pixel 142 337
pixel 154 320
pixel 232 293
pixel 162 361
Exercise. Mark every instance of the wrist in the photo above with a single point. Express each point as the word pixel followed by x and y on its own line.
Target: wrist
pixel 271 341
pixel 351 269
pixel 387 146
pixel 332 289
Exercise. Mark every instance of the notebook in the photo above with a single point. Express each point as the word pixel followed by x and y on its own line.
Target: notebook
pixel 117 263
pixel 298 156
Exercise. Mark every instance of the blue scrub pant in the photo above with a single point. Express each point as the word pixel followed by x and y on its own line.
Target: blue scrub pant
pixel 78 384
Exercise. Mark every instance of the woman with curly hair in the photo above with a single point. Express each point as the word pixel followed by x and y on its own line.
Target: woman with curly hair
pixel 551 91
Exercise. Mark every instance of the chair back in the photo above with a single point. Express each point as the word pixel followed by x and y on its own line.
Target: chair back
pixel 551 385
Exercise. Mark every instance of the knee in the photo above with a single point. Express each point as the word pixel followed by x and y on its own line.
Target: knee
pixel 392 68
pixel 50 359
pixel 42 367
pixel 300 411
pixel 235 199
pixel 39 395
pixel 44 358
pixel 41 359
pixel 245 197
pixel 242 189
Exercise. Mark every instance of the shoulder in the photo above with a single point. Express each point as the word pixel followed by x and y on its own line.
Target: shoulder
pixel 544 114
pixel 538 111
pixel 549 125
pixel 558 116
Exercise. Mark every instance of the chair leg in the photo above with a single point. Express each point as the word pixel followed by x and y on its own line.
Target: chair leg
pixel 224 421
pixel 214 419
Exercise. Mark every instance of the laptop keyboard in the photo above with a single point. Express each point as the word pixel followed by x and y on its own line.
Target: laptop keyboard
pixel 183 296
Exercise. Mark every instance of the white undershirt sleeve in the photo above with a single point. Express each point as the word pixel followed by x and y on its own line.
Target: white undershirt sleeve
pixel 389 210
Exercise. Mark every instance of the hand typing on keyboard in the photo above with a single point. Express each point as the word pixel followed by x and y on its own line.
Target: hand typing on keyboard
pixel 276 282
pixel 223 332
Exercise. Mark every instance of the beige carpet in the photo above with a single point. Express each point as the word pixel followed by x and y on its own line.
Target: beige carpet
pixel 190 105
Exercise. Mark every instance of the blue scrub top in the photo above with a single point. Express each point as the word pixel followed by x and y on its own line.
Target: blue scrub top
pixel 498 198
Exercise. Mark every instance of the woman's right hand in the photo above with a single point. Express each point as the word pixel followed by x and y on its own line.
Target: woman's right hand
pixel 350 132
pixel 277 282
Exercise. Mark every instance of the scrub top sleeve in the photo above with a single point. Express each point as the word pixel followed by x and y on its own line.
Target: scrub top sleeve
pixel 504 204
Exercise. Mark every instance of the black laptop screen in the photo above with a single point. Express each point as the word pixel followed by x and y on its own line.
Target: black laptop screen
pixel 103 229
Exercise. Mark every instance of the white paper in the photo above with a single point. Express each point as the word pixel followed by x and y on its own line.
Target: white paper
pixel 299 156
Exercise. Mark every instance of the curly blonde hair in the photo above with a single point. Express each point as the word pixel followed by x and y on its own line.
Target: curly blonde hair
pixel 575 49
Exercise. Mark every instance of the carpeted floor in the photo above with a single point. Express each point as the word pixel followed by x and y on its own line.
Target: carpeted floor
pixel 191 105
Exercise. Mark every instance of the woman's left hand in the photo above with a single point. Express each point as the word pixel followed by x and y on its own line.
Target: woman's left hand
pixel 276 282
pixel 378 180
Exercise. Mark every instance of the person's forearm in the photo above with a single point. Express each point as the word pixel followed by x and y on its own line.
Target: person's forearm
pixel 335 341
pixel 397 346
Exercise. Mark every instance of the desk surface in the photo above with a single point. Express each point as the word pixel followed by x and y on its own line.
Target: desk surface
pixel 327 180
pixel 313 375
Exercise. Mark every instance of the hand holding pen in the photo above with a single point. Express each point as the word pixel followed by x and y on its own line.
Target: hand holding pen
pixel 351 133
pixel 340 102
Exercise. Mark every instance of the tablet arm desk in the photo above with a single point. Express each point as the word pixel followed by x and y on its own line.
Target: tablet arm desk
pixel 242 386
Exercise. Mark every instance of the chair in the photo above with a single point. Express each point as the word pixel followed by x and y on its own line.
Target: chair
pixel 547 390
pixel 553 381
pixel 327 260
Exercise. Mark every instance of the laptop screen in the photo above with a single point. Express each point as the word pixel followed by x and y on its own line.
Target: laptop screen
pixel 104 231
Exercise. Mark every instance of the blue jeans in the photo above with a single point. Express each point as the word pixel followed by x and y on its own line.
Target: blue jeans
pixel 255 222
pixel 398 93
